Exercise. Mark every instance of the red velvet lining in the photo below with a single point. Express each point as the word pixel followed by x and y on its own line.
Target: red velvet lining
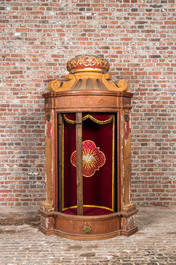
pixel 97 189
pixel 88 211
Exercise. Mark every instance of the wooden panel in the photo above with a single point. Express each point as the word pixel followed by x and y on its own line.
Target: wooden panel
pixel 92 99
pixel 73 226
pixel 48 159
pixel 127 170
pixel 79 164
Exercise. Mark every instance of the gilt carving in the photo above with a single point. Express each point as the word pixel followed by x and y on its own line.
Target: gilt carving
pixel 56 86
pixel 88 73
pixel 121 86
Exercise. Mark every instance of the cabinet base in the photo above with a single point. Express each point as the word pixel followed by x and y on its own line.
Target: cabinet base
pixel 88 227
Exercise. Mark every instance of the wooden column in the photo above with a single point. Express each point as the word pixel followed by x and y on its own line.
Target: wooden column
pixel 60 162
pixel 79 164
pixel 126 156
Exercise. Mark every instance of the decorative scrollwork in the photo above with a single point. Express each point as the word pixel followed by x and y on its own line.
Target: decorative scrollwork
pixel 123 85
pixel 110 85
pixel 56 86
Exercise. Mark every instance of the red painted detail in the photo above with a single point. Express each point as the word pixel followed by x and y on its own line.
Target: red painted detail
pixel 48 129
pixel 89 63
pixel 126 129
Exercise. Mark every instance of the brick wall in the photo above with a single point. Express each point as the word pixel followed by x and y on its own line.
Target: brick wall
pixel 38 37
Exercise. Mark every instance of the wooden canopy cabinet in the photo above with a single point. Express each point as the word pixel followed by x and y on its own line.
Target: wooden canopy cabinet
pixel 88 154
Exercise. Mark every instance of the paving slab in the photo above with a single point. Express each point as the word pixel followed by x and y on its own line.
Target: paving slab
pixel 153 244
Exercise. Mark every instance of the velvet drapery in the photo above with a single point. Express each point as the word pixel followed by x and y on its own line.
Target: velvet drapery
pixel 98 163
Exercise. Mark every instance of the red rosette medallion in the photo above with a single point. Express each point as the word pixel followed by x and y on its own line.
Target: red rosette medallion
pixel 93 158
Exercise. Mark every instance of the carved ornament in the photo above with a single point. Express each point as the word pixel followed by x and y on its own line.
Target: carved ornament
pixel 56 86
pixel 88 72
pixel 87 63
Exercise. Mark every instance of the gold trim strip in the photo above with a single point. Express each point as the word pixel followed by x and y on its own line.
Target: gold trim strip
pixel 95 206
pixel 62 163
pixel 113 149
pixel 88 70
pixel 68 120
pixel 88 116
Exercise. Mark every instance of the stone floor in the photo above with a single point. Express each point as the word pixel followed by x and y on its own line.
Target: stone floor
pixel 155 243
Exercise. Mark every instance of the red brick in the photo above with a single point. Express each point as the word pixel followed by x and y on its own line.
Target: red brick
pixel 38 40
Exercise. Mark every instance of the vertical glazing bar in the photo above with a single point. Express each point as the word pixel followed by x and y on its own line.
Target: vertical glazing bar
pixel 79 164
pixel 60 162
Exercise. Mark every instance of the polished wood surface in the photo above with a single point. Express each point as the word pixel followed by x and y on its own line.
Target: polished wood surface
pixel 79 164
pixel 93 101
pixel 102 227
